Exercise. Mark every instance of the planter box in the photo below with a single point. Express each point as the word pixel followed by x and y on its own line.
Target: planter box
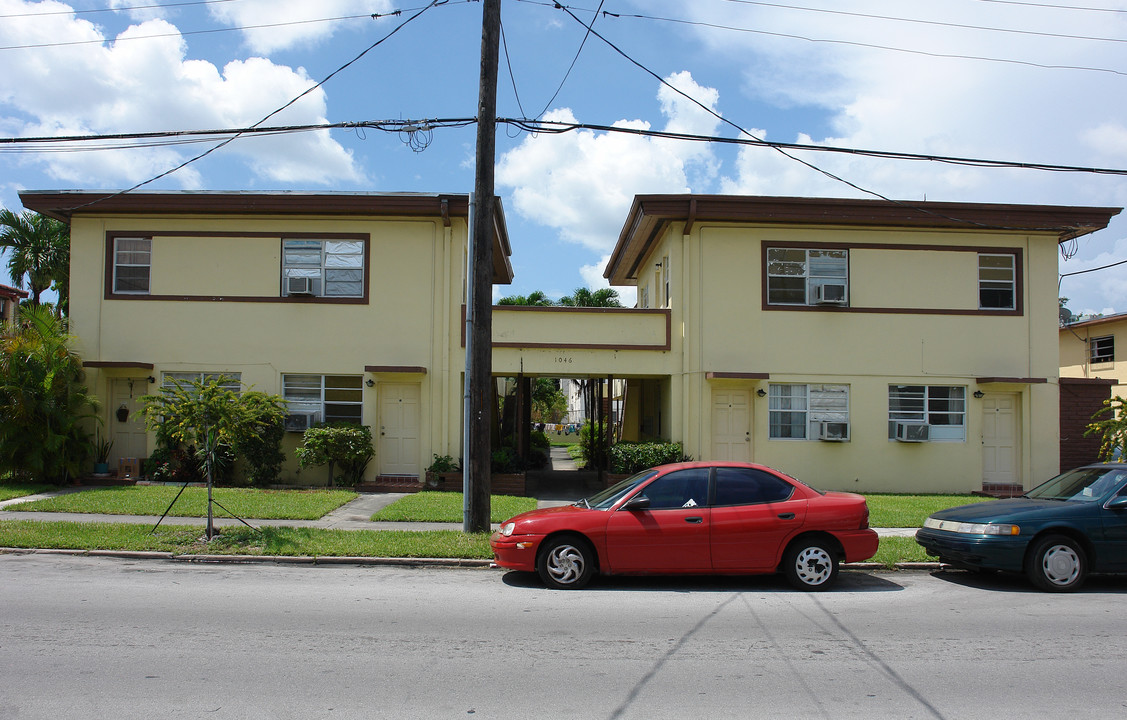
pixel 499 484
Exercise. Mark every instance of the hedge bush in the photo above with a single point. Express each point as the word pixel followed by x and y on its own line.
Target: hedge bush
pixel 626 457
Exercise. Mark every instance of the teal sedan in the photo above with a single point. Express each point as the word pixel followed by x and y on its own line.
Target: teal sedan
pixel 1057 533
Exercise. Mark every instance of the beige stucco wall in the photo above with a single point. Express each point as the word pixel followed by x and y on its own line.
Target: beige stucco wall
pixel 412 319
pixel 726 331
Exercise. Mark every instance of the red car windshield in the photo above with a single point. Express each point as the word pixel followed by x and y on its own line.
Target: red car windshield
pixel 607 498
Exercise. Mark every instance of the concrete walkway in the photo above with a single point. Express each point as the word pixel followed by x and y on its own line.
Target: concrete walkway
pixel 350 516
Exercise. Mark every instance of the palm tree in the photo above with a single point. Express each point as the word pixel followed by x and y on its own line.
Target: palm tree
pixel 38 248
pixel 584 297
pixel 537 297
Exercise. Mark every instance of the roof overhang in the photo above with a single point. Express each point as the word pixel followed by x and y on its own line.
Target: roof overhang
pixel 651 215
pixel 67 204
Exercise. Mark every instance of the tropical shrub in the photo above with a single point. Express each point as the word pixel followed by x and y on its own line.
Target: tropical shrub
pixel 1112 429
pixel 629 458
pixel 345 444
pixel 44 405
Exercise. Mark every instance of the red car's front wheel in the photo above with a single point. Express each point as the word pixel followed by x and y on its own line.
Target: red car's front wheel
pixel 566 563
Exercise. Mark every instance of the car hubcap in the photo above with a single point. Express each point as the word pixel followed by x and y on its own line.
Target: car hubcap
pixel 565 564
pixel 1061 565
pixel 813 565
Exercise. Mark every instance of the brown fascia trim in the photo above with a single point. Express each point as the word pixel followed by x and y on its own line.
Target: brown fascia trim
pixel 396 369
pixel 1087 381
pixel 113 364
pixel 650 214
pixel 1011 380
pixel 736 376
pixel 1095 321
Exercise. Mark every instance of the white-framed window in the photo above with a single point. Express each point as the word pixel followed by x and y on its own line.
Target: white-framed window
pixel 323 268
pixel 798 276
pixel 132 265
pixel 942 407
pixel 1101 349
pixel 170 379
pixel 325 398
pixel 792 409
pixel 997 281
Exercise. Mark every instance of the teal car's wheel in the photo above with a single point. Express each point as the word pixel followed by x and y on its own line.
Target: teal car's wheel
pixel 810 564
pixel 566 563
pixel 1057 564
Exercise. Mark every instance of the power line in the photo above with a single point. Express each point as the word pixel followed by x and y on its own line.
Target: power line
pixel 871 46
pixel 1054 7
pixel 231 139
pixel 939 23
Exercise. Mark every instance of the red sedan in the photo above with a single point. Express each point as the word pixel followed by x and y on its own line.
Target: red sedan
pixel 693 518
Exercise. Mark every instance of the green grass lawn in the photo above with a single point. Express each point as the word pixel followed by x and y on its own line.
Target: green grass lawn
pixel 154 499
pixel 9 489
pixel 447 507
pixel 905 511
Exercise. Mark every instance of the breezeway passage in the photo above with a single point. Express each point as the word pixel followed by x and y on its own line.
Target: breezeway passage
pixel 99 636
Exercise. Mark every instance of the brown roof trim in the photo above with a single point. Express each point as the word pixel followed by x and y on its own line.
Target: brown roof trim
pixel 117 364
pixel 1117 317
pixel 1011 380
pixel 12 293
pixel 65 204
pixel 1088 381
pixel 402 369
pixel 651 214
pixel 736 376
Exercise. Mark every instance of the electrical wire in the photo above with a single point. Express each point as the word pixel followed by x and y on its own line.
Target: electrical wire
pixel 1054 7
pixel 231 139
pixel 929 22
pixel 123 8
pixel 871 46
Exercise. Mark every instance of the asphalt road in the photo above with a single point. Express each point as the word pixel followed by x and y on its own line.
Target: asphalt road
pixel 86 637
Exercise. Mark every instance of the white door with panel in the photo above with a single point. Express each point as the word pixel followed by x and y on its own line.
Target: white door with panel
pixel 399 428
pixel 1001 439
pixel 731 425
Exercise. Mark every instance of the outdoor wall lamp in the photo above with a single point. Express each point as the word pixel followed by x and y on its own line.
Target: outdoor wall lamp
pixel 370 382
pixel 761 392
pixel 151 379
pixel 978 394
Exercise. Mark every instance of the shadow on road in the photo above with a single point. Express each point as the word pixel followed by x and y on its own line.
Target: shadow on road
pixel 847 581
pixel 1017 583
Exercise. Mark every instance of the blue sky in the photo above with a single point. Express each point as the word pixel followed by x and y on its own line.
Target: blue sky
pixel 958 78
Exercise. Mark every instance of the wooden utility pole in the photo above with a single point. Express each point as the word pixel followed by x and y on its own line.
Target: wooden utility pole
pixel 479 452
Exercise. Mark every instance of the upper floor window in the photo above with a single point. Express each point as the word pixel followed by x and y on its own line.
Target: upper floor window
pixel 942 408
pixel 1102 349
pixel 798 276
pixel 323 268
pixel 794 411
pixel 132 265
pixel 997 281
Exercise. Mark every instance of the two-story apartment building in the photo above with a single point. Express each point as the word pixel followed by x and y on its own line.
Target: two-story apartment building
pixel 1087 350
pixel 858 344
pixel 9 302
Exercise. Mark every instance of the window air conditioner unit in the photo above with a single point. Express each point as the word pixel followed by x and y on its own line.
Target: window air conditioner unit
pixel 299 286
pixel 830 294
pixel 833 431
pixel 300 422
pixel 912 432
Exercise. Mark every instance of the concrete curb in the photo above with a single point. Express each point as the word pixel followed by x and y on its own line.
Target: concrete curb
pixel 442 563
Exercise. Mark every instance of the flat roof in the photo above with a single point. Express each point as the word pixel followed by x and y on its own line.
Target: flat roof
pixel 650 215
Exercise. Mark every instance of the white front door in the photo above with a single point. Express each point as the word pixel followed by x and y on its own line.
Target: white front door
pixel 128 434
pixel 731 425
pixel 399 429
pixel 1001 441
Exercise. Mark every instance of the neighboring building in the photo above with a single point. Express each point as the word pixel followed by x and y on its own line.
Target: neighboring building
pixel 858 344
pixel 1088 350
pixel 1090 373
pixel 10 302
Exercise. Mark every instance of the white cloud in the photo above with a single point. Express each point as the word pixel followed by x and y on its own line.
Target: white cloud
pixel 123 85
pixel 296 22
pixel 582 183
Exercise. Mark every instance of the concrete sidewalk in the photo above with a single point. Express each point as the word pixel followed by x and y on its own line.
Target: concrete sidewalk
pixel 350 516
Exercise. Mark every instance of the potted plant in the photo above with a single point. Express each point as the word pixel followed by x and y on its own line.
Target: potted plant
pixel 102 448
pixel 440 471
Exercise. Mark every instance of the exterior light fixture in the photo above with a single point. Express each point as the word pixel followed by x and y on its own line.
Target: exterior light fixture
pixel 370 382
pixel 151 379
pixel 761 392
pixel 979 394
